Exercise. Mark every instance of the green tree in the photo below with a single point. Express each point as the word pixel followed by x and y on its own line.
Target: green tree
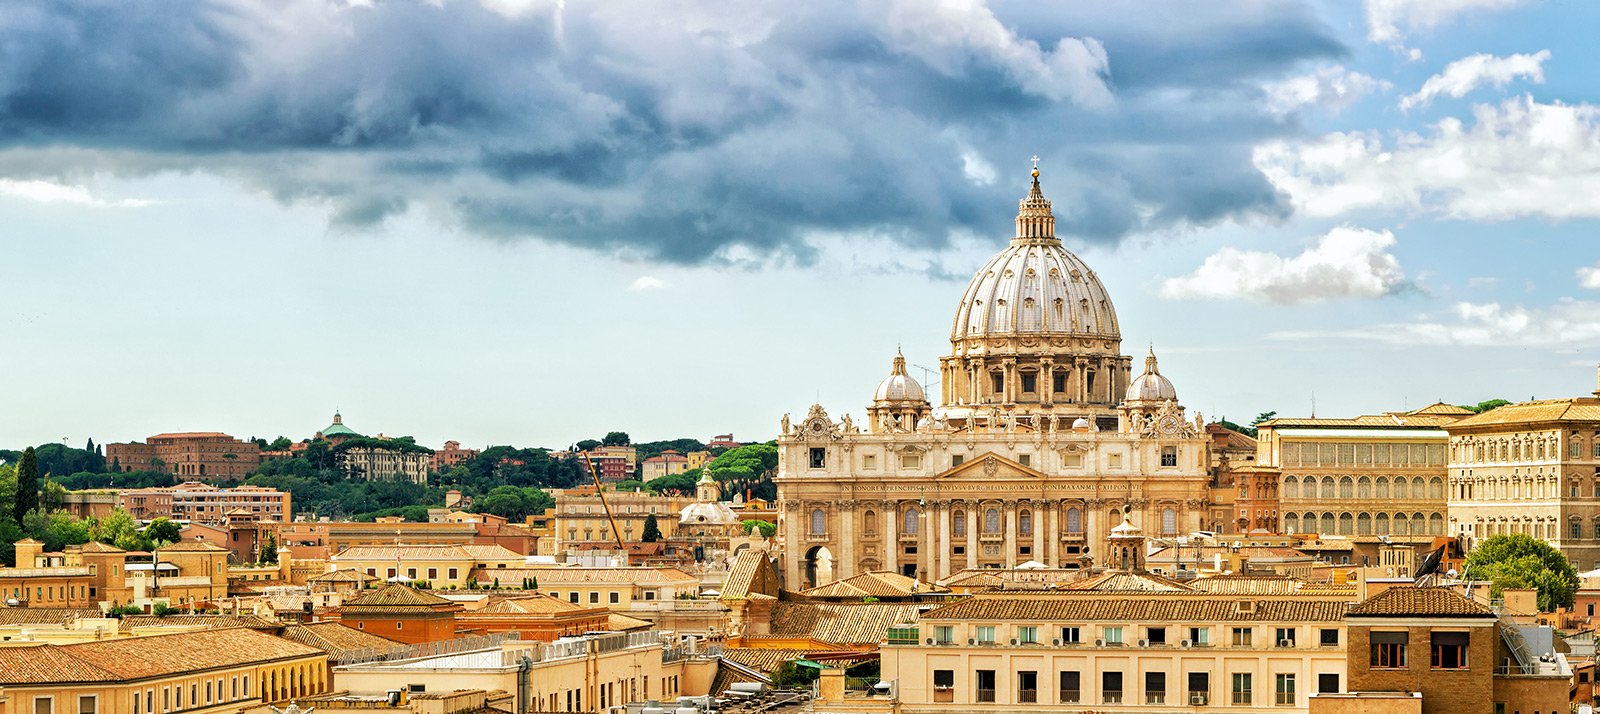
pixel 162 531
pixel 163 609
pixel 281 443
pixel 56 530
pixel 628 486
pixel 269 549
pixel 53 496
pixel 652 530
pixel 793 676
pixel 680 483
pixel 1521 561
pixel 588 444
pixel 766 528
pixel 1263 416
pixel 616 438
pixel 118 529
pixel 27 484
pixel 8 492
pixel 1485 405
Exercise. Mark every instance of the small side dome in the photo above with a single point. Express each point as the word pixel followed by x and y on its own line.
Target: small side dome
pixel 1151 386
pixel 899 386
pixel 1080 424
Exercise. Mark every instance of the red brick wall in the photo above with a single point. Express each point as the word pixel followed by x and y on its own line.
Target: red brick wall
pixel 1467 691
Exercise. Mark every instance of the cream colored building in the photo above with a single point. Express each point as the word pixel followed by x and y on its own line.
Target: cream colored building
pixel 580 518
pixel 1042 435
pixel 440 564
pixel 1381 474
pixel 1531 468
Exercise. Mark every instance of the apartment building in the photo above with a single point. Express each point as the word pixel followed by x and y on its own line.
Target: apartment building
pixel 205 503
pixel 210 454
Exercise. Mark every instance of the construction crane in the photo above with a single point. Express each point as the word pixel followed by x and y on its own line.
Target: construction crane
pixel 600 491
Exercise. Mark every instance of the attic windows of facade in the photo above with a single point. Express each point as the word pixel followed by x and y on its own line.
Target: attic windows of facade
pixel 1025 459
pixel 1169 456
pixel 911 461
pixel 957 460
pixel 869 462
pixel 998 381
pixel 1059 383
pixel 1030 382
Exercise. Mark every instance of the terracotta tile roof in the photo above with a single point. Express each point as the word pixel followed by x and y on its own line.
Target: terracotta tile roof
pixel 347 575
pixel 95 546
pixel 394 597
pixel 1440 408
pixel 765 660
pixel 191 546
pixel 1268 585
pixel 1426 602
pixel 1079 607
pixel 975 579
pixel 336 639
pixel 874 584
pixel 574 576
pixel 1586 409
pixel 208 621
pixel 45 615
pixel 839 623
pixel 135 658
pixel 742 574
pixel 537 604
pixel 426 551
pixel 623 623
pixel 1126 582
pixel 1396 420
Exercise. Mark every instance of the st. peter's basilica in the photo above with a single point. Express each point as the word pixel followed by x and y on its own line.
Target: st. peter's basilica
pixel 1042 436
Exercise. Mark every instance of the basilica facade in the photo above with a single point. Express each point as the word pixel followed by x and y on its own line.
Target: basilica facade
pixel 1042 436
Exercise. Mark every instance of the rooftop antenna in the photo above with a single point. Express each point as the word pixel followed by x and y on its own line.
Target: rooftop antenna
pixel 1313 405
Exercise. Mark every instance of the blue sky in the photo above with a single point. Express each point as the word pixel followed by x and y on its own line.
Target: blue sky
pixel 529 222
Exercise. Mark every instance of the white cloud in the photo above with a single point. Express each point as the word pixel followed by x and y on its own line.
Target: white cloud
pixel 1346 262
pixel 1331 88
pixel 646 282
pixel 977 170
pixel 1388 21
pixel 1566 324
pixel 1518 158
pixel 948 34
pixel 1589 277
pixel 1469 73
pixel 49 192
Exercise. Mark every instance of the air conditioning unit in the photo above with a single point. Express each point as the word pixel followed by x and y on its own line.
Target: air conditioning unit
pixel 1285 643
pixel 1144 643
pixel 1055 643
pixel 1013 642
pixel 971 641
pixel 1099 643
pixel 1198 699
pixel 1186 644
pixel 930 640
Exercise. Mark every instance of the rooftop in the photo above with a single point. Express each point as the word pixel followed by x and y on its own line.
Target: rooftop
pixel 1187 607
pixel 1414 601
pixel 874 584
pixel 144 657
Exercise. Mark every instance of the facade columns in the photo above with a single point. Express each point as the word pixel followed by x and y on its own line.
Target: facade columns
pixel 1039 530
pixel 974 522
pixel 1010 515
pixel 925 525
pixel 891 536
pixel 1047 372
pixel 944 541
pixel 847 562
pixel 1055 536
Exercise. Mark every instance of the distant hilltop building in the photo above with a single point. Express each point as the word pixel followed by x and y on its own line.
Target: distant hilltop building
pixel 723 441
pixel 451 456
pixel 368 458
pixel 206 454
pixel 1043 437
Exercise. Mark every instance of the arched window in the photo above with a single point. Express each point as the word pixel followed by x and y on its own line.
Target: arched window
pixel 1364 487
pixel 1074 520
pixel 1347 487
pixel 1291 523
pixel 1346 524
pixel 1419 488
pixel 1169 521
pixel 819 522
pixel 1400 488
pixel 1327 487
pixel 1327 524
pixel 1364 524
pixel 991 521
pixel 912 520
pixel 1436 524
pixel 1401 524
pixel 1291 487
pixel 1025 523
pixel 1380 524
pixel 1383 487
pixel 959 523
pixel 870 522
pixel 1436 488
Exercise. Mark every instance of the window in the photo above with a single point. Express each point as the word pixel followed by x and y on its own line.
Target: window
pixel 1069 688
pixel 911 520
pixel 47 705
pixel 1169 456
pixel 1169 521
pixel 1028 635
pixel 958 523
pixel 957 460
pixel 1200 636
pixel 911 461
pixel 1155 687
pixel 1111 687
pixel 88 704
pixel 1074 520
pixel 1242 636
pixel 1284 636
pixel 1241 687
pixel 1328 637
pixel 1328 683
pixel 869 462
pixel 819 522
pixel 1025 459
pixel 991 521
pixel 452 573
pixel 1388 650
pixel 1025 523
pixel 433 573
pixel 944 685
pixel 616 598
pixel 944 634
pixel 1449 650
pixel 594 598
pixel 1071 635
pixel 1199 687
pixel 411 573
pixel 1156 635
pixel 1030 383
pixel 985 634
pixel 1059 385
pixel 1113 635
pixel 1027 687
pixel 819 457
pixel 1284 690
pixel 985 681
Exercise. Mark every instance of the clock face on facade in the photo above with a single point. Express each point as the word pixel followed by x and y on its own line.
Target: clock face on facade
pixel 817 427
pixel 1167 425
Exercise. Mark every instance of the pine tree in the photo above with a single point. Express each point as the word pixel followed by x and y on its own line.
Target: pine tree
pixel 652 530
pixel 27 484
pixel 269 549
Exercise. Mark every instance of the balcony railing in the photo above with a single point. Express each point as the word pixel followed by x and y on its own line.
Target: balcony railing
pixel 986 695
pixel 1110 697
pixel 1155 697
pixel 1070 696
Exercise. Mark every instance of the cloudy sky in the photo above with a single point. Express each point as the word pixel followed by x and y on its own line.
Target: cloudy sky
pixel 533 221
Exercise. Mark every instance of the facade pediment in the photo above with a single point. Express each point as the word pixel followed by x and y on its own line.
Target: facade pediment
pixel 989 466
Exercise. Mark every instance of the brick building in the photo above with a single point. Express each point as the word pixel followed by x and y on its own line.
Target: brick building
pixel 204 503
pixel 208 454
pixel 402 613
pixel 614 463
pixel 451 456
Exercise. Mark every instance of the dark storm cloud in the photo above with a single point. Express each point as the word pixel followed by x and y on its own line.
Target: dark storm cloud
pixel 669 130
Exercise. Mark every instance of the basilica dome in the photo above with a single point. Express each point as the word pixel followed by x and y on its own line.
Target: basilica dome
pixel 1035 287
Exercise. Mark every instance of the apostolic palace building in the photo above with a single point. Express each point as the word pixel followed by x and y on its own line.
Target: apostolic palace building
pixel 1043 435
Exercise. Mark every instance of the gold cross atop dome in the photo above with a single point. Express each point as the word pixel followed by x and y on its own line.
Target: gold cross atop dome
pixel 1035 161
